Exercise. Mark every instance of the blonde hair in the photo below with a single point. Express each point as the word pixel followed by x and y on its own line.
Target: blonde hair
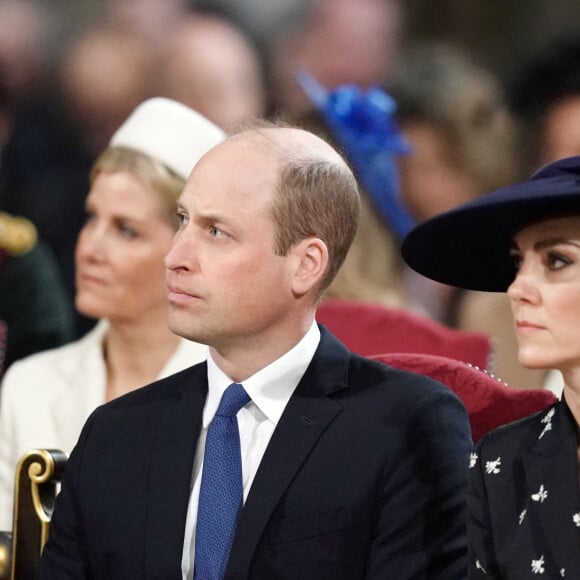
pixel 313 196
pixel 151 172
pixel 371 271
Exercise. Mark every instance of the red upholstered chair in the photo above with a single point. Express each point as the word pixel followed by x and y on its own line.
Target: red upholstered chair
pixel 489 401
pixel 370 329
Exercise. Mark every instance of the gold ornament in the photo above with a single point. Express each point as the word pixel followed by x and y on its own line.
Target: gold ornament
pixel 17 234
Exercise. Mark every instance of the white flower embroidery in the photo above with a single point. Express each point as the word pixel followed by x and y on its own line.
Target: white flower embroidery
pixel 541 494
pixel 472 460
pixel 478 566
pixel 547 421
pixel 538 566
pixel 549 415
pixel 522 516
pixel 576 519
pixel 493 466
pixel 547 428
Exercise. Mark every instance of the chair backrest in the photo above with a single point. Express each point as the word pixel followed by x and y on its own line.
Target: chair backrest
pixel 37 477
pixel 370 329
pixel 489 401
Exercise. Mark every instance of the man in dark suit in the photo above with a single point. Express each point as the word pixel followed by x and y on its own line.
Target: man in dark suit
pixel 349 469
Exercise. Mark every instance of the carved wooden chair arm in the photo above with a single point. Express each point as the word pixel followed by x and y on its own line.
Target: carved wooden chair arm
pixel 38 474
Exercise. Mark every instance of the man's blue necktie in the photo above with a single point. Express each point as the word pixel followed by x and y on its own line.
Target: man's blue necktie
pixel 221 491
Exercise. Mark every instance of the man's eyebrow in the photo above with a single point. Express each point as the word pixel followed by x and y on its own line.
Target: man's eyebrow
pixel 208 216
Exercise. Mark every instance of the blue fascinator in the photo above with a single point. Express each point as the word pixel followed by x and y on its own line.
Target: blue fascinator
pixel 363 124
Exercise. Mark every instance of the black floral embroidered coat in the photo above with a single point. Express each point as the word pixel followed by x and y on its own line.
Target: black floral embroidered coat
pixel 524 500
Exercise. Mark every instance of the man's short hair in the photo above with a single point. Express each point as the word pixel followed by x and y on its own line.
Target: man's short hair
pixel 317 198
pixel 314 196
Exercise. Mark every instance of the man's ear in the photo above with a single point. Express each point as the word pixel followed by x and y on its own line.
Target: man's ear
pixel 312 263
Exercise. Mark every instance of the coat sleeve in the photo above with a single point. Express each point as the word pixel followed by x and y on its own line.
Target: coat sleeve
pixel 421 526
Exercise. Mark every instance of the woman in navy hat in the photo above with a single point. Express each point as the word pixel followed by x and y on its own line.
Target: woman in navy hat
pixel 524 505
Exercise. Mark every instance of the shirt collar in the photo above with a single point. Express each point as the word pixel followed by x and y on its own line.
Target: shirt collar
pixel 270 388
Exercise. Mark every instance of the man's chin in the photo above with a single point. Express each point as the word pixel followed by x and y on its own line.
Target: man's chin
pixel 183 331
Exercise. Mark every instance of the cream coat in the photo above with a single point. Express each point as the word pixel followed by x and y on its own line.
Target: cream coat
pixel 47 397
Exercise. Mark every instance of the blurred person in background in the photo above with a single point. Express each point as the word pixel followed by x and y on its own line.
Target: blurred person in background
pixel 453 113
pixel 544 95
pixel 261 20
pixel 150 19
pixel 131 220
pixel 338 42
pixel 210 65
pixel 102 76
pixel 30 40
pixel 104 73
pixel 34 305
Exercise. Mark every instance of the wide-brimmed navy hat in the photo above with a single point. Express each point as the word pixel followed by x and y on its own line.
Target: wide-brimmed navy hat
pixel 469 246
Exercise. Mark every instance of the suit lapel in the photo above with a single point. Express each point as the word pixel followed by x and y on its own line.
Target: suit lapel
pixel 170 472
pixel 307 415
pixel 551 468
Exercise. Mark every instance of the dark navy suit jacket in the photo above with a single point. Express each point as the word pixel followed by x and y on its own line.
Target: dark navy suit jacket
pixel 365 477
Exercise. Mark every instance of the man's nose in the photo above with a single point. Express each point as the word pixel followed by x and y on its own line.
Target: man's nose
pixel 181 253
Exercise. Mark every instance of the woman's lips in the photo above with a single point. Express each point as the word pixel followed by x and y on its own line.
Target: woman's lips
pixel 89 279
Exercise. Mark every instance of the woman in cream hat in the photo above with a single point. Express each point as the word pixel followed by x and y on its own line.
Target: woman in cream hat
pixel 524 503
pixel 131 219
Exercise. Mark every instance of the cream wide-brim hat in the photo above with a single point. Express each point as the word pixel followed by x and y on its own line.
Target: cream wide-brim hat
pixel 169 132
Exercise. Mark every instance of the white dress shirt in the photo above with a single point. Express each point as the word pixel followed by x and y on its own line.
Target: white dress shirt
pixel 270 390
